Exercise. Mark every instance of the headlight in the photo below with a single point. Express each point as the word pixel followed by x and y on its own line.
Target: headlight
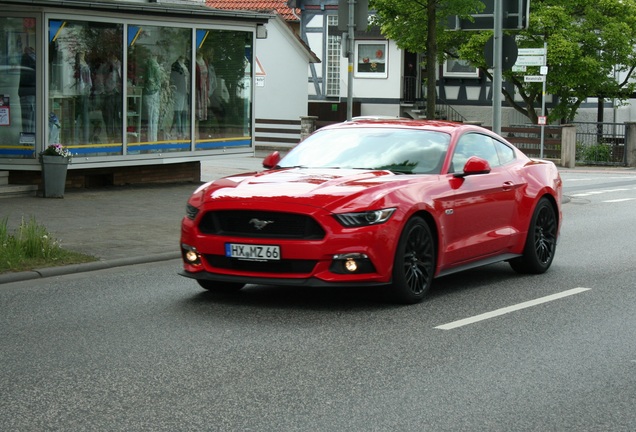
pixel 191 211
pixel 371 217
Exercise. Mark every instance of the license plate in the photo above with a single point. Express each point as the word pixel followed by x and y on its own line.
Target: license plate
pixel 252 252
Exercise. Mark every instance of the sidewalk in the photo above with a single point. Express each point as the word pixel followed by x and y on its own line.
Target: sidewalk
pixel 118 225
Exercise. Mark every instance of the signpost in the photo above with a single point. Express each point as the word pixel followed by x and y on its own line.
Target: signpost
pixel 514 16
pixel 536 57
pixel 497 16
pixel 352 14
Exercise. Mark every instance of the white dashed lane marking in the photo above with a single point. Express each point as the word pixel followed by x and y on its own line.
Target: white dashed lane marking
pixel 509 309
pixel 619 200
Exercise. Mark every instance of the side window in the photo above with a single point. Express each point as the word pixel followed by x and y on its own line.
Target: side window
pixel 506 154
pixel 474 144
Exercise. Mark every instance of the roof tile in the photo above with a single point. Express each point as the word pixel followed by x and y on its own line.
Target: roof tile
pixel 278 6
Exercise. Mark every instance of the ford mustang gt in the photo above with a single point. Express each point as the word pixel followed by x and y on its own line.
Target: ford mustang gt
pixel 370 202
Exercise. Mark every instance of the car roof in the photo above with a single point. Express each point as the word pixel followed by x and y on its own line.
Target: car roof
pixel 387 121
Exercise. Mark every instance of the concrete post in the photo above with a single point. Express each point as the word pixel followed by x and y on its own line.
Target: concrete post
pixel 568 146
pixel 307 126
pixel 630 144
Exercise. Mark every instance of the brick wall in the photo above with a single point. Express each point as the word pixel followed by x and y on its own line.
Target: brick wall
pixel 187 172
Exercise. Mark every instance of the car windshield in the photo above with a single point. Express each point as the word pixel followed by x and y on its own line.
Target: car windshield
pixel 400 150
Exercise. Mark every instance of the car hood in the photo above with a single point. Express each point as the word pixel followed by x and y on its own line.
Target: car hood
pixel 325 188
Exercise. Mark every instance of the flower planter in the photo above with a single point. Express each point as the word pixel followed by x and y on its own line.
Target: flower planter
pixel 54 175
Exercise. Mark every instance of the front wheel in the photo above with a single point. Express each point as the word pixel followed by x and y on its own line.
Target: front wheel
pixel 414 263
pixel 225 287
pixel 540 247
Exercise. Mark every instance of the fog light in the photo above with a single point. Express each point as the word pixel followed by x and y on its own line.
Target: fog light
pixel 351 265
pixel 190 255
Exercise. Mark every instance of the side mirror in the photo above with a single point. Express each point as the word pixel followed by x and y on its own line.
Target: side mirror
pixel 271 160
pixel 474 165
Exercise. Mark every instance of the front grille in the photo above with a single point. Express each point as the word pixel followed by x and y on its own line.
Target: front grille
pixel 282 266
pixel 246 223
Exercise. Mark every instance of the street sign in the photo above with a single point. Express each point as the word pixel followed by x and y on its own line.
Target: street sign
pixel 543 120
pixel 534 78
pixel 361 15
pixel 516 68
pixel 532 51
pixel 516 15
pixel 509 52
pixel 530 60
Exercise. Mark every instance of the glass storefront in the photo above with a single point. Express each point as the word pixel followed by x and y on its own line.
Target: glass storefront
pixel 85 86
pixel 123 88
pixel 223 92
pixel 158 102
pixel 18 86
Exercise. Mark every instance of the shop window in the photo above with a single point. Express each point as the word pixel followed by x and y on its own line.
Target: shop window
pixel 86 87
pixel 18 87
pixel 158 89
pixel 371 59
pixel 223 90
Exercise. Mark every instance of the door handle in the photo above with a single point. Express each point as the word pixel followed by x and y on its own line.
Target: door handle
pixel 508 185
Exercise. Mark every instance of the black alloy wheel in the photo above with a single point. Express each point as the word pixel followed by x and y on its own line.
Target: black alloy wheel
pixel 414 263
pixel 540 247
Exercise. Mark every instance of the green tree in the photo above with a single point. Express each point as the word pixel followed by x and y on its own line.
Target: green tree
pixel 590 47
pixel 590 54
pixel 420 26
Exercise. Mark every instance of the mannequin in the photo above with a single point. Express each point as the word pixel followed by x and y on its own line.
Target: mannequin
pixel 152 87
pixel 84 85
pixel 180 82
pixel 110 80
pixel 202 87
pixel 27 90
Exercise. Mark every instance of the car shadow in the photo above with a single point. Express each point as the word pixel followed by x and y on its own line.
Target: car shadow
pixel 470 280
pixel 350 298
pixel 302 298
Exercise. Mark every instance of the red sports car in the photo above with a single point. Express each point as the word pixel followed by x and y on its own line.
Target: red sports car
pixel 367 202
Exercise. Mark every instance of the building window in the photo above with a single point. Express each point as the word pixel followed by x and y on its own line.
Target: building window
pixel 371 59
pixel 158 89
pixel 18 87
pixel 334 54
pixel 85 77
pixel 134 89
pixel 458 68
pixel 223 92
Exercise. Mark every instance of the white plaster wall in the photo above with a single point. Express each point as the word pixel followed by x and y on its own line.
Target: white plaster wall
pixel 368 109
pixel 376 87
pixel 283 94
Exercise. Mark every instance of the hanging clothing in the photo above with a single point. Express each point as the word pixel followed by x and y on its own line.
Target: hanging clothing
pixel 180 79
pixel 203 89
pixel 152 82
pixel 85 82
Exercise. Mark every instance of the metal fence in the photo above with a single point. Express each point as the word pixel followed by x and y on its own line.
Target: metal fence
pixel 600 143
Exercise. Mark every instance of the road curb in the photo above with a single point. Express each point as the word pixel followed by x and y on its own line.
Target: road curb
pixel 85 267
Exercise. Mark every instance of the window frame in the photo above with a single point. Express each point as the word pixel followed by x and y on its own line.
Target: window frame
pixel 449 63
pixel 363 46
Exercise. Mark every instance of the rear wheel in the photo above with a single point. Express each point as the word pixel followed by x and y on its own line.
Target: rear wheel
pixel 220 286
pixel 414 263
pixel 540 247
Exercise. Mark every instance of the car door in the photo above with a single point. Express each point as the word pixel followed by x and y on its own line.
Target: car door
pixel 479 213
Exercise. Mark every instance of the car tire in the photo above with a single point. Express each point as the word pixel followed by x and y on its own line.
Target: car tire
pixel 414 263
pixel 540 246
pixel 220 286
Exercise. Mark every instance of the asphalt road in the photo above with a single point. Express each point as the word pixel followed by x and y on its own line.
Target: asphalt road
pixel 140 348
